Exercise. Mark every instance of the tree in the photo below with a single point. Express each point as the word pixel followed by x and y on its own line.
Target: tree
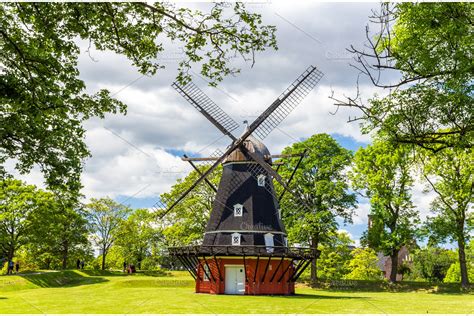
pixel 363 265
pixel 186 224
pixel 429 47
pixel 18 204
pixel 381 173
pixel 59 230
pixel 43 100
pixel 320 182
pixel 335 256
pixel 105 217
pixel 450 174
pixel 136 236
pixel 432 263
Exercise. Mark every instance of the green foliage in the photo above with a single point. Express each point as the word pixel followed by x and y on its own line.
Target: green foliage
pixel 431 264
pixel 382 173
pixel 105 217
pixel 44 103
pixel 335 256
pixel 60 233
pixel 430 46
pixel 454 272
pixel 136 236
pixel 450 174
pixel 19 206
pixel 321 182
pixel 363 265
pixel 186 223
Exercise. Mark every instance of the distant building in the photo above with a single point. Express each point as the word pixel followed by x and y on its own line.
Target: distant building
pixel 385 262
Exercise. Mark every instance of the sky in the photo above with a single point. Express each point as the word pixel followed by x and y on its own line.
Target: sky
pixel 136 157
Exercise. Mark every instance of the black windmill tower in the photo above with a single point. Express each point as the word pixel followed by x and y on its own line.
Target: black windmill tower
pixel 245 227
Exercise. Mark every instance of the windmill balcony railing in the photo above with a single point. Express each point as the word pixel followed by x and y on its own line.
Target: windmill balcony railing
pixel 245 250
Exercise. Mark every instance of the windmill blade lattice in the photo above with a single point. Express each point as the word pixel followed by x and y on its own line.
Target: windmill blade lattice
pixel 289 99
pixel 162 205
pixel 207 107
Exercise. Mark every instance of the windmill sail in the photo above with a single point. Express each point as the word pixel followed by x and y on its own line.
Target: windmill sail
pixel 207 107
pixel 288 100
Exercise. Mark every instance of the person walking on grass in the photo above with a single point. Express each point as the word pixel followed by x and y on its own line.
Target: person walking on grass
pixel 17 267
pixel 10 267
pixel 78 264
pixel 82 265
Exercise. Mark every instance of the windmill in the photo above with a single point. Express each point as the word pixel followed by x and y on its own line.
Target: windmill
pixel 244 248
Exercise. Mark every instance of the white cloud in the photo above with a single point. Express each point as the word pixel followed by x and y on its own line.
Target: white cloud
pixel 362 212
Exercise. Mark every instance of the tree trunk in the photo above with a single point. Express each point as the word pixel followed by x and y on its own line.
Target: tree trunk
pixel 462 262
pixel 394 270
pixel 65 255
pixel 314 265
pixel 11 252
pixel 103 259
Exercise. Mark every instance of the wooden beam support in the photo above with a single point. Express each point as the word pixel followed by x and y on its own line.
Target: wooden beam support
pixel 209 268
pixel 301 270
pixel 245 270
pixel 218 269
pixel 188 268
pixel 284 272
pixel 276 270
pixel 300 263
pixel 256 269
pixel 266 269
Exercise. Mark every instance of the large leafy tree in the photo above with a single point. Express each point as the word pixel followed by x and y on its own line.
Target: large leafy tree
pixel 322 187
pixel 381 173
pixel 19 204
pixel 43 100
pixel 105 217
pixel 136 236
pixel 450 174
pixel 186 223
pixel 59 231
pixel 428 46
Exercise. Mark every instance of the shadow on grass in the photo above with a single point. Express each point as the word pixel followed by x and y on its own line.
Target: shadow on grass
pixel 385 286
pixel 66 278
pixel 323 297
pixel 108 273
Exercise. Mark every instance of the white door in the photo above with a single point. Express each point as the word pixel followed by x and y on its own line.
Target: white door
pixel 234 280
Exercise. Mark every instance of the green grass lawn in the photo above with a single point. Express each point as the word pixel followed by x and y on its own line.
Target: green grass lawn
pixel 94 292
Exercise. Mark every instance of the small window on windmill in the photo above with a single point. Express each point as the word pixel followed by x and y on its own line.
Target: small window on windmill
pixel 261 180
pixel 207 273
pixel 279 213
pixel 238 210
pixel 285 241
pixel 269 243
pixel 235 239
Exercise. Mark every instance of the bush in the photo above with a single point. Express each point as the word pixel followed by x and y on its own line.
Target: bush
pixel 363 265
pixel 454 273
pixel 150 264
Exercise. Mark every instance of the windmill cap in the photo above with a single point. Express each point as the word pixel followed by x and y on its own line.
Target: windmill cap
pixel 253 145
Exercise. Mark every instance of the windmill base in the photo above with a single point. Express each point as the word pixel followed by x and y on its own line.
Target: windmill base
pixel 270 277
pixel 251 270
